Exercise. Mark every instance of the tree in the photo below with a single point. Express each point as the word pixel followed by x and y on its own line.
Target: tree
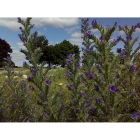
pixel 4 50
pixel 61 51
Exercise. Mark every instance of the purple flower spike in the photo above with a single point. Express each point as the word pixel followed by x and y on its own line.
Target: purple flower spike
pixel 33 72
pixel 112 88
pixel 133 68
pixel 90 75
pixel 31 87
pixel 48 82
pixel 94 23
pixel 135 116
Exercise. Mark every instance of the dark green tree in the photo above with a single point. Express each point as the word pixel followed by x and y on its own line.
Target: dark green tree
pixel 5 48
pixel 61 51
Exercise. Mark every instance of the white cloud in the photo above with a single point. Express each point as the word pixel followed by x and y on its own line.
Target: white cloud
pixel 76 34
pixel 137 30
pixel 94 30
pixel 17 57
pixel 12 23
pixel 76 41
pixel 20 45
pixel 71 29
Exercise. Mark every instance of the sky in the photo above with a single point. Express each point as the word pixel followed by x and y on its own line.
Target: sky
pixel 56 30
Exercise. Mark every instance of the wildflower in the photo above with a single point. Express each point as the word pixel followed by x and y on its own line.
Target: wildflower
pixel 48 82
pixel 69 56
pixel 33 72
pixel 133 94
pixel 31 87
pixel 117 75
pixel 94 23
pixel 19 19
pixel 101 38
pixel 120 27
pixel 70 86
pixel 98 100
pixel 69 74
pixel 135 116
pixel 112 88
pixel 15 77
pixel 118 50
pixel 96 87
pixel 133 68
pixel 88 33
pixel 122 54
pixel 23 40
pixel 90 75
pixel 20 28
pixel 29 79
pixel 36 33
pixel 24 64
pixel 62 106
pixel 128 38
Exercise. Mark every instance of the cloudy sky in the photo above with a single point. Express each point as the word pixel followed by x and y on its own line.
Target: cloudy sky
pixel 56 30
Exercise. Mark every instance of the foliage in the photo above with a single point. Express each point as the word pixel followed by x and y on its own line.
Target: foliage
pixel 5 49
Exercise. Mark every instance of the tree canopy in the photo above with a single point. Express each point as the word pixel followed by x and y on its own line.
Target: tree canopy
pixel 4 50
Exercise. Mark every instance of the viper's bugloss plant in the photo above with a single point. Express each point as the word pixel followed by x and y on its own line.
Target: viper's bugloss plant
pixel 102 86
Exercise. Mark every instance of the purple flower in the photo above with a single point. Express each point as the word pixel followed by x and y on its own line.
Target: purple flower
pixel 88 33
pixel 90 75
pixel 133 68
pixel 36 33
pixel 70 86
pixel 29 79
pixel 122 54
pixel 19 19
pixel 101 38
pixel 117 75
pixel 117 90
pixel 135 116
pixel 128 38
pixel 33 72
pixel 98 100
pixel 83 43
pixel 125 81
pixel 138 24
pixel 24 63
pixel 96 87
pixel 94 23
pixel 31 87
pixel 133 94
pixel 118 50
pixel 69 56
pixel 20 28
pixel 125 26
pixel 112 88
pixel 48 82
pixel 120 27
pixel 23 40
pixel 69 74
pixel 62 106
